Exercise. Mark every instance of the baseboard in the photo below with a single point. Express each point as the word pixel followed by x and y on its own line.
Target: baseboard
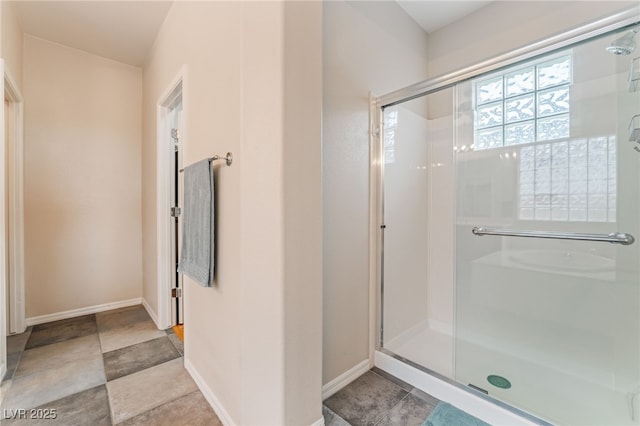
pixel 345 378
pixel 82 311
pixel 319 422
pixel 152 314
pixel 215 403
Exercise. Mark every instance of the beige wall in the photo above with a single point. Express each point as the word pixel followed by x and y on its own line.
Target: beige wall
pixel 254 337
pixel 11 41
pixel 368 46
pixel 303 210
pixel 82 179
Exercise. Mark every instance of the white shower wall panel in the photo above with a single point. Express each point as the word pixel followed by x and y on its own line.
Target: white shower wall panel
pixel 419 236
pixel 441 190
pixel 406 220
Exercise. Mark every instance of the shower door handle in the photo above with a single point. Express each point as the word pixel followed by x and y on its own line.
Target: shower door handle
pixel 614 238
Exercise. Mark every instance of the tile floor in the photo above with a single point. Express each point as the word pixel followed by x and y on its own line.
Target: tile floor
pixel 116 367
pixel 377 398
pixel 109 368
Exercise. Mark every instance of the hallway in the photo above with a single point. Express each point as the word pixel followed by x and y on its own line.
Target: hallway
pixel 113 367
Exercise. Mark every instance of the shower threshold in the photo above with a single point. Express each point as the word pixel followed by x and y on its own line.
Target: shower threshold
pixel 474 402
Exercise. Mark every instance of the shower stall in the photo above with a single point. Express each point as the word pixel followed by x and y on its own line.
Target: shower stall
pixel 506 204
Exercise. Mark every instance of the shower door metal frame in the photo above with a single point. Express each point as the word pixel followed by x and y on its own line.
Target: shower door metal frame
pixel 627 18
pixel 619 21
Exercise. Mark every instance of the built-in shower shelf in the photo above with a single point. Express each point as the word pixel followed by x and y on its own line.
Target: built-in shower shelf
pixel 634 75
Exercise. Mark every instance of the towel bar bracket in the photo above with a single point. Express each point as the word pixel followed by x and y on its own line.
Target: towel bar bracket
pixel 228 158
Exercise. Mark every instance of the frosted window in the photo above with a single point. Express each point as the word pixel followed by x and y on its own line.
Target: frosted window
pixel 569 180
pixel 529 104
pixel 489 90
pixel 519 82
pixel 554 101
pixel 520 133
pixel 554 73
pixel 489 115
pixel 556 127
pixel 489 138
pixel 520 108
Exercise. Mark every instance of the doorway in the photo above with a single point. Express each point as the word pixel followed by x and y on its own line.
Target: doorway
pixel 169 142
pixel 174 121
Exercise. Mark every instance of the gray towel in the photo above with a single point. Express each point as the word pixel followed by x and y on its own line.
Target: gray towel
pixel 196 257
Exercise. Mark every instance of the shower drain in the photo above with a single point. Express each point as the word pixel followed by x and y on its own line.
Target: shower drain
pixel 499 381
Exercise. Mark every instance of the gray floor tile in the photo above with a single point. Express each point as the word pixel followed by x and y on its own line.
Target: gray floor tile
pixel 131 359
pixel 118 318
pixel 58 331
pixel 404 385
pixel 116 337
pixel 179 344
pixel 32 390
pixel 411 411
pixel 12 364
pixel 137 393
pixel 432 401
pixel 17 342
pixel 367 400
pixel 190 410
pixel 57 355
pixel 89 407
pixel 4 388
pixel 331 418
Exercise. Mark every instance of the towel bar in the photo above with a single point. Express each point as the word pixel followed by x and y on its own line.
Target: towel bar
pixel 614 238
pixel 228 158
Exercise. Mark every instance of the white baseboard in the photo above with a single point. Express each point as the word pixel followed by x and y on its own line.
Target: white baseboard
pixel 345 378
pixel 82 311
pixel 319 422
pixel 215 403
pixel 152 314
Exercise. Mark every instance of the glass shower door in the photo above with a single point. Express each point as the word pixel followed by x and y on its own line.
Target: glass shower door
pixel 417 302
pixel 550 325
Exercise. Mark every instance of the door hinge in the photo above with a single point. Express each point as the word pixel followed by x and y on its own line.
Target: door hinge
pixel 176 211
pixel 176 292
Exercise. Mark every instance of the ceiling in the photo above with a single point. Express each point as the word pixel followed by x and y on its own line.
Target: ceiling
pixel 119 30
pixel 433 15
pixel 125 30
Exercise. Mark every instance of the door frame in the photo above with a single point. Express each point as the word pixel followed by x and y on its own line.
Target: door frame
pixel 15 172
pixel 16 284
pixel 163 216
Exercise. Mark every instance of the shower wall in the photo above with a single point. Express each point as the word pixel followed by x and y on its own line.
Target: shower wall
pixel 406 193
pixel 418 190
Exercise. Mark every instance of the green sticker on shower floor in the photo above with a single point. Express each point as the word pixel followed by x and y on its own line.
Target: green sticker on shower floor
pixel 499 381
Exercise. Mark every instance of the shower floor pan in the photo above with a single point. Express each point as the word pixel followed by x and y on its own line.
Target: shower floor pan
pixel 558 391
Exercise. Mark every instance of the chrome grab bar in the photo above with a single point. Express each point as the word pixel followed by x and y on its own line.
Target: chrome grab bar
pixel 614 237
